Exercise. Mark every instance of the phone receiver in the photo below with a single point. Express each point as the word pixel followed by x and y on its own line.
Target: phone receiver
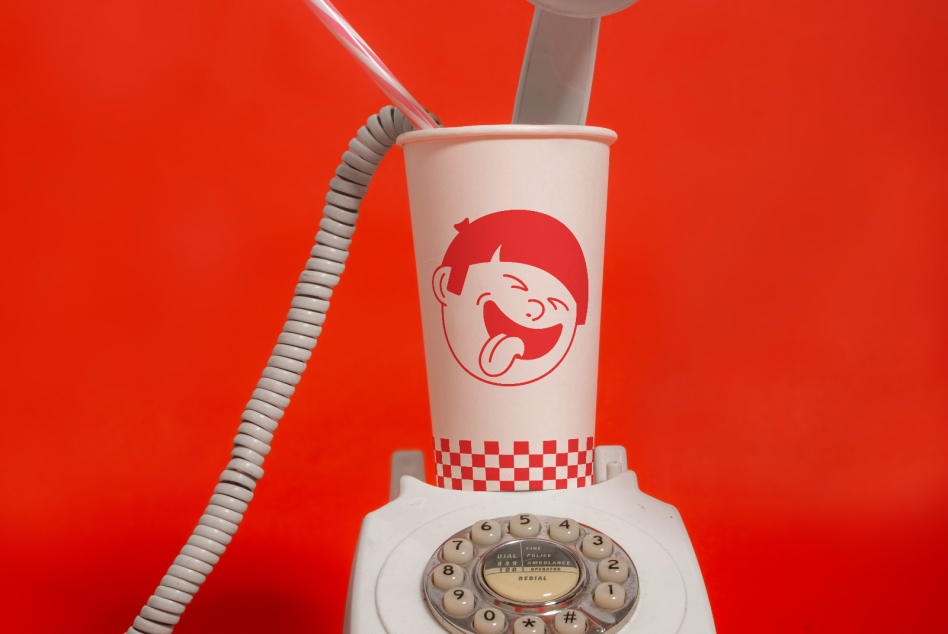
pixel 557 73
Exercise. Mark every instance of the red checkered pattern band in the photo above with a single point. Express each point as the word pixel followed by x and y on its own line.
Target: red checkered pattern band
pixel 534 465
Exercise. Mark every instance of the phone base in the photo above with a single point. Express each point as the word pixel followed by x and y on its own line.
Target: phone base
pixel 396 542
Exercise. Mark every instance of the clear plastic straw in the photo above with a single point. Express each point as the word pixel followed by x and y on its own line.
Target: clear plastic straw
pixel 371 63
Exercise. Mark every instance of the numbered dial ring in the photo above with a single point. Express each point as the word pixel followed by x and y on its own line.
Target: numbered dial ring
pixel 563 575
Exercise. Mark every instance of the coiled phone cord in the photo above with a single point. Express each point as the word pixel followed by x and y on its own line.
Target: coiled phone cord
pixel 294 346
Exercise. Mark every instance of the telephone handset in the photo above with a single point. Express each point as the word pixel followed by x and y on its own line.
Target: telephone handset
pixel 509 227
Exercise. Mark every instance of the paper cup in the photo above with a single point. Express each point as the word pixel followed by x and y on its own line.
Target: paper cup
pixel 509 226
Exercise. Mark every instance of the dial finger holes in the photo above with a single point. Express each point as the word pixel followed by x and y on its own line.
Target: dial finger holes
pixel 458 602
pixel 489 621
pixel 458 551
pixel 524 525
pixel 613 570
pixel 609 596
pixel 447 576
pixel 570 622
pixel 564 530
pixel 530 574
pixel 597 546
pixel 486 532
pixel 529 625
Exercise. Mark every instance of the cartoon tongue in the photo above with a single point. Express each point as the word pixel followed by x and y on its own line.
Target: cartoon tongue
pixel 499 353
pixel 509 341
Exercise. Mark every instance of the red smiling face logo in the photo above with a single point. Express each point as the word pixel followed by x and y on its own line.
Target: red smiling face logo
pixel 513 288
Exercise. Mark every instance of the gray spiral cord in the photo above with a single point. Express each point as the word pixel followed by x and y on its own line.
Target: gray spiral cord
pixel 294 346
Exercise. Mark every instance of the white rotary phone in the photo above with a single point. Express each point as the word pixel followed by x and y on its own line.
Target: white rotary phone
pixel 530 529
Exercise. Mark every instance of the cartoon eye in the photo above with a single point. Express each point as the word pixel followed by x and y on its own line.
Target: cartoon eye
pixel 478 303
pixel 553 301
pixel 522 287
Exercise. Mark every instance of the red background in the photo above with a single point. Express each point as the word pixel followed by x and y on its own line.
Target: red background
pixel 774 323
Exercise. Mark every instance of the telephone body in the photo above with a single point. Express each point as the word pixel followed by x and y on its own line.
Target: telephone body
pixel 531 530
pixel 397 540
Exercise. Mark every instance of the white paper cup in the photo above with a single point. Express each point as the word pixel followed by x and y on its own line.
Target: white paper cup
pixel 509 226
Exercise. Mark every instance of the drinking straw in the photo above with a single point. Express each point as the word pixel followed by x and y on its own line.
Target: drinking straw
pixel 371 63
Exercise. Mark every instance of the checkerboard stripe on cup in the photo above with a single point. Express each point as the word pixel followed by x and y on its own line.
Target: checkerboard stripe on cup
pixel 533 465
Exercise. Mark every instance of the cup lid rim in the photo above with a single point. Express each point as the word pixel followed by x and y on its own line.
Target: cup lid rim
pixel 514 131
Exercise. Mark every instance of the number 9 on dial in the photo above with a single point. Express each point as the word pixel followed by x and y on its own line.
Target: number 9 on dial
pixel 458 602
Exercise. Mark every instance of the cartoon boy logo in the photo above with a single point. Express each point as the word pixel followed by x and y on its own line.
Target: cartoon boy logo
pixel 513 288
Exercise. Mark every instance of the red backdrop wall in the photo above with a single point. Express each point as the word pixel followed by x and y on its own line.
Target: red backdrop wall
pixel 774 323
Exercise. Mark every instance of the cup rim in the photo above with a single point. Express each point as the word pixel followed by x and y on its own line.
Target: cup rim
pixel 518 131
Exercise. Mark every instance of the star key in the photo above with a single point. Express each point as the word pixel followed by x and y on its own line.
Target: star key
pixel 529 625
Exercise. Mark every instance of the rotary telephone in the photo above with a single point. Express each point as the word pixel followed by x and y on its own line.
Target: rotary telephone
pixel 530 529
